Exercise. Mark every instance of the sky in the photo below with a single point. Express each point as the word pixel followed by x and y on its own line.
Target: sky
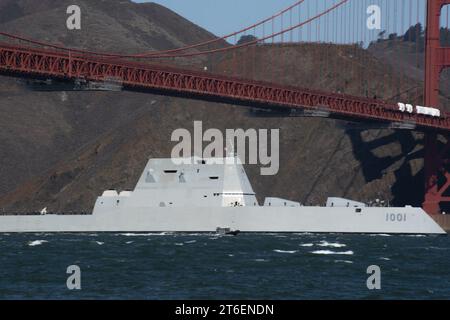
pixel 222 17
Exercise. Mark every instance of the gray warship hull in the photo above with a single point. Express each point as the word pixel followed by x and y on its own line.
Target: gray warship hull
pixel 244 219
pixel 204 196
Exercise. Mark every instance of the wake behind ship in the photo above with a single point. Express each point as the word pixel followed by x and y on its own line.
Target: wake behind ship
pixel 207 195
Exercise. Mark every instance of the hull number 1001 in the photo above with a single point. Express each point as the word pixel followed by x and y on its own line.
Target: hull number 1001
pixel 399 217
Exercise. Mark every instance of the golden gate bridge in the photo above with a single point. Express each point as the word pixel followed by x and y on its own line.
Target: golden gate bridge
pixel 173 72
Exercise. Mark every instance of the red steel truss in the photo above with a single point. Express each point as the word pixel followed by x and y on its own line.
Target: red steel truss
pixel 26 61
pixel 437 175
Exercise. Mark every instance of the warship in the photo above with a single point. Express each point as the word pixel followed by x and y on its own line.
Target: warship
pixel 215 195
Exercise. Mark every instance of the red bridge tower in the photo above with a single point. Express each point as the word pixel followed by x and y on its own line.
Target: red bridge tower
pixel 437 174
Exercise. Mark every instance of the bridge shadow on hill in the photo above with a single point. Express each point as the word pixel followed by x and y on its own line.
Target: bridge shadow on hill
pixel 408 189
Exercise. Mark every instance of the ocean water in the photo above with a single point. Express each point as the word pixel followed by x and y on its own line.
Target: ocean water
pixel 207 266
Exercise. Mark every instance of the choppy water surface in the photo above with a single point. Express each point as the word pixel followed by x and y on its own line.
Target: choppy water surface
pixel 206 266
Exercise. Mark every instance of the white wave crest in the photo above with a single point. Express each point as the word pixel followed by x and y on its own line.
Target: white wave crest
pixel 285 251
pixel 333 252
pixel 36 243
pixel 143 234
pixel 343 261
pixel 306 245
pixel 331 245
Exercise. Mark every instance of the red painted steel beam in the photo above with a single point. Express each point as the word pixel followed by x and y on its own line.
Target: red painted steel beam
pixel 437 58
pixel 25 61
pixel 442 59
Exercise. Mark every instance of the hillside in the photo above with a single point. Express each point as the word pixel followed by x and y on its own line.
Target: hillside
pixel 39 129
pixel 61 150
pixel 408 57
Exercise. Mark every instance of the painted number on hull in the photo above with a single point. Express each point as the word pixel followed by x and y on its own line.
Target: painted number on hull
pixel 392 217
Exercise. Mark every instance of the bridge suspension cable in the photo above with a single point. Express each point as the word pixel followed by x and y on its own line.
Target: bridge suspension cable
pixel 249 43
pixel 154 53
